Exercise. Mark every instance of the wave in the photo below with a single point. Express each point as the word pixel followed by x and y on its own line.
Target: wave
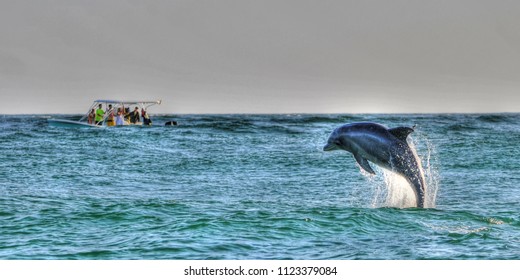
pixel 494 118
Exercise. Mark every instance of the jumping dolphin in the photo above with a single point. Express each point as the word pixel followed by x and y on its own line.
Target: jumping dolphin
pixel 385 147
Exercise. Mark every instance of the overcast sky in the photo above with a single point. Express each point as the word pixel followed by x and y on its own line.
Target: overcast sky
pixel 261 56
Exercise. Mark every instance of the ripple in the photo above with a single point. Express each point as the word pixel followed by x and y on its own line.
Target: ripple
pixel 250 187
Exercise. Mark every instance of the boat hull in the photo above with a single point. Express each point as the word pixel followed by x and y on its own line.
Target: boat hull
pixel 70 124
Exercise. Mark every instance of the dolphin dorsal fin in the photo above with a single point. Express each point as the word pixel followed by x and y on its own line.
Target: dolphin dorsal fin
pixel 401 132
pixel 363 162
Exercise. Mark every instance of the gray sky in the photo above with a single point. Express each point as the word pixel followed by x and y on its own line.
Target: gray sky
pixel 261 56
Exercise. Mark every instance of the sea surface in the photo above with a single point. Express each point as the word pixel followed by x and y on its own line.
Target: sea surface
pixel 255 187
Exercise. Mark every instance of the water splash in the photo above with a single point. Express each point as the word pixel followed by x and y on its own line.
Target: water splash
pixel 430 162
pixel 392 189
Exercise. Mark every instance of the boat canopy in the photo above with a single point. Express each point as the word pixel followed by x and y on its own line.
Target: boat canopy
pixel 127 101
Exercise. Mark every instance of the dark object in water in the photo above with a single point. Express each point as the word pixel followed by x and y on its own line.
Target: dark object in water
pixel 170 123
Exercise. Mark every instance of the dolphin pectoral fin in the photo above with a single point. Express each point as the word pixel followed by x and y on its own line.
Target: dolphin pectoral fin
pixel 363 162
pixel 401 132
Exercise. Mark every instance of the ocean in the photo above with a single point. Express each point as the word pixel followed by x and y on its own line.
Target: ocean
pixel 255 187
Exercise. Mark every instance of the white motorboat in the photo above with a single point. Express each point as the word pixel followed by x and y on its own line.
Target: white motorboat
pixel 104 113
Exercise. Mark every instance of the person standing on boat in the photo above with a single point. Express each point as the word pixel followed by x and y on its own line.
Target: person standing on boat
pixel 119 118
pixel 146 118
pixel 110 119
pixel 99 115
pixel 91 116
pixel 134 116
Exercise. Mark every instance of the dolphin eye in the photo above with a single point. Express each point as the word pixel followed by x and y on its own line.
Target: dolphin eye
pixel 337 143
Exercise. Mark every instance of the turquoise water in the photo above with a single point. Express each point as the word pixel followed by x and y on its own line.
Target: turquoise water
pixel 255 187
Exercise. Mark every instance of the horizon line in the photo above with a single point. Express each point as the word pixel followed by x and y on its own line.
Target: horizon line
pixel 292 113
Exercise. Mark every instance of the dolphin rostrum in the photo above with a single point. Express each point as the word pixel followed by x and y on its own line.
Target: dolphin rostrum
pixel 385 147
